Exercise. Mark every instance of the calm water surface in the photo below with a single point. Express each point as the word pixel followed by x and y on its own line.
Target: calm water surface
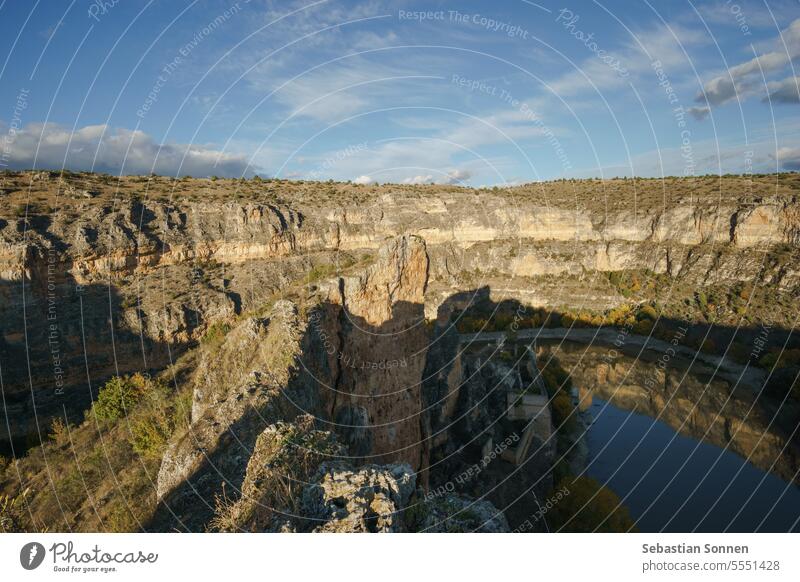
pixel 676 483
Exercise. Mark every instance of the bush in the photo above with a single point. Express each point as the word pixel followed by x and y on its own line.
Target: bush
pixel 702 301
pixel 588 507
pixel 121 519
pixel 215 333
pixel 12 513
pixel 777 358
pixel 156 419
pixel 149 436
pixel 643 327
pixel 59 432
pixel 647 312
pixel 555 377
pixel 120 395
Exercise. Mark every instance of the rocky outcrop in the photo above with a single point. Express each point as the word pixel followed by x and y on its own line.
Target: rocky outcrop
pixel 250 382
pixel 300 479
pixel 353 359
pixel 284 459
pixel 374 325
pixel 459 514
pixel 366 500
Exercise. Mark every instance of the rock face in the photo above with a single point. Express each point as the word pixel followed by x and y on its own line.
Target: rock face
pixel 285 458
pixel 332 392
pixel 367 500
pixel 379 341
pixel 301 479
pixel 354 361
pixel 133 279
pixel 251 382
pixel 459 514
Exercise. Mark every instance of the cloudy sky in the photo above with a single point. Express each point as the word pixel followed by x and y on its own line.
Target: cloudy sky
pixel 474 93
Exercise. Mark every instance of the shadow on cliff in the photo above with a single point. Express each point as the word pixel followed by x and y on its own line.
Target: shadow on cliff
pixel 60 342
pixel 359 380
pixel 355 396
pixel 773 393
pixel 76 335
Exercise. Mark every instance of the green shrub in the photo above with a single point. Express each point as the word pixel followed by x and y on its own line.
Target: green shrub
pixel 643 326
pixel 588 507
pixel 778 359
pixel 702 301
pixel 119 396
pixel 647 312
pixel 321 271
pixel 215 333
pixel 121 519
pixel 12 513
pixel 149 435
pixel 70 489
pixel 555 377
pixel 59 432
pixel 156 419
pixel 563 412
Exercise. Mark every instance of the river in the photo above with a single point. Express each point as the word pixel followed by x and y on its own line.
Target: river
pixel 690 446
pixel 675 483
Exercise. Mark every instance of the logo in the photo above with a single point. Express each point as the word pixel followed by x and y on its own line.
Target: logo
pixel 31 555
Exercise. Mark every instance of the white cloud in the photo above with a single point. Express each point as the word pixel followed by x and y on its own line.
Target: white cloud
pixel 105 149
pixel 660 43
pixel 458 176
pixel 785 91
pixel 428 179
pixel 699 112
pixel 744 78
pixel 363 180
pixel 350 86
pixel 789 158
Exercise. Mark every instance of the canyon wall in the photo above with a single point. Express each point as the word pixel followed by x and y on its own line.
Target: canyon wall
pixel 118 281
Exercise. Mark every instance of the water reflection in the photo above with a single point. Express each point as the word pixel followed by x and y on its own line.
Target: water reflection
pixel 672 482
pixel 685 446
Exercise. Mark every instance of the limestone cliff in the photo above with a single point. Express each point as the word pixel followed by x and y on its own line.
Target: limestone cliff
pixel 101 276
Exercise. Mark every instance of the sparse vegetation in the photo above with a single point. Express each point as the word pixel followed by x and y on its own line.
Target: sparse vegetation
pixel 12 515
pixel 100 474
pixel 283 461
pixel 215 333
pixel 589 507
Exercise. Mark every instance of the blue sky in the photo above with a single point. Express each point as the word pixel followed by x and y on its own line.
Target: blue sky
pixel 476 93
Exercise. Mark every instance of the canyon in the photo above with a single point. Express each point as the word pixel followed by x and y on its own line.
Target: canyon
pixel 331 311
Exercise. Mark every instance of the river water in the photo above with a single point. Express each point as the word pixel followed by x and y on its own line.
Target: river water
pixel 675 483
